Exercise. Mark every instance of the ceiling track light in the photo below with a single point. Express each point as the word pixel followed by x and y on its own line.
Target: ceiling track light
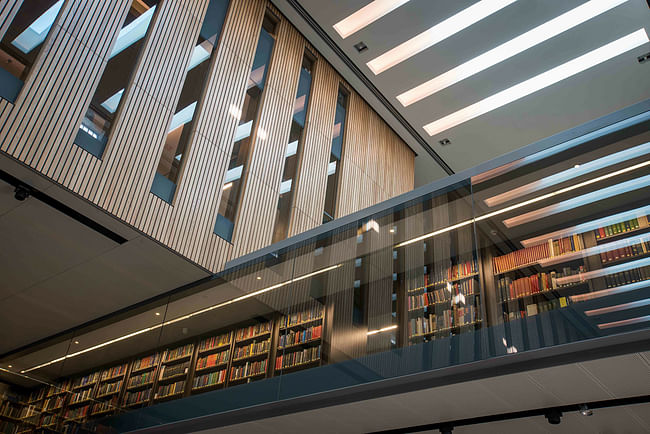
pixel 539 82
pixel 521 43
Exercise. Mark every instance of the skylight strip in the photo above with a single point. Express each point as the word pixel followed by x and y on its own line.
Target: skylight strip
pixel 610 291
pixel 588 226
pixel 556 149
pixel 437 33
pixel 578 201
pixel 566 175
pixel 35 34
pixel 133 32
pixel 509 49
pixel 603 271
pixel 624 322
pixel 618 307
pixel 366 16
pixel 545 79
pixel 183 116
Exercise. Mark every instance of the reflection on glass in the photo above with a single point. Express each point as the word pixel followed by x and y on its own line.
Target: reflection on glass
pixel 98 120
pixel 294 148
pixel 410 289
pixel 333 168
pixel 178 136
pixel 233 182
pixel 23 41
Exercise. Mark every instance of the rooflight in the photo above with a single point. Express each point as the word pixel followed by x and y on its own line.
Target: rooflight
pixel 132 32
pixel 539 82
pixel 35 34
pixel 437 33
pixel 366 16
pixel 521 43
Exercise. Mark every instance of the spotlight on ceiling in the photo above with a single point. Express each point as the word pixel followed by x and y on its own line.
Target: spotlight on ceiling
pixel 21 192
pixel 585 410
pixel 360 47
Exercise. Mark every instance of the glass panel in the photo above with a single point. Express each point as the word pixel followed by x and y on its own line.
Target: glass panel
pixel 294 150
pixel 334 169
pixel 23 41
pixel 173 155
pixel 545 251
pixel 233 183
pixel 97 123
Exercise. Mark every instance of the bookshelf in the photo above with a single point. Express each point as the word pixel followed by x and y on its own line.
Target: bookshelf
pixel 139 385
pixel 300 339
pixel 213 356
pixel 447 303
pixel 173 373
pixel 250 353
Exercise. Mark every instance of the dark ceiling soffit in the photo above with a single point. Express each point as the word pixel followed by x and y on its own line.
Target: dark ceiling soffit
pixel 361 76
pixel 61 207
pixel 581 351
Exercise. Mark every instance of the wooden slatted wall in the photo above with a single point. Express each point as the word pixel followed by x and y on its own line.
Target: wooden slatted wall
pixel 39 129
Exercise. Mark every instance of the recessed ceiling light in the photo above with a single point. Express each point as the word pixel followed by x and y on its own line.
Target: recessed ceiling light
pixel 521 43
pixel 444 142
pixel 366 16
pixel 10 366
pixel 76 342
pixel 157 313
pixel 259 278
pixel 437 33
pixel 539 82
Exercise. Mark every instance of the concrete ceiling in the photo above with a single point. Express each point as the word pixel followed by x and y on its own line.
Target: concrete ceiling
pixel 58 273
pixel 602 379
pixel 600 90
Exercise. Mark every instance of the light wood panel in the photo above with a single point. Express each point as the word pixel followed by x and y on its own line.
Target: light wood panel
pixel 39 129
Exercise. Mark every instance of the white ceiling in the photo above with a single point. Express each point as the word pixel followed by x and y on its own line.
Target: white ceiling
pixel 605 88
pixel 603 379
pixel 58 273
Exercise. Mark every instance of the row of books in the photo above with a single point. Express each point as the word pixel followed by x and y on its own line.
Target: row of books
pixel 213 359
pixel 86 380
pixel 530 255
pixel 178 353
pixel 617 228
pixel 76 412
pixel 441 321
pixel 82 395
pixel 252 331
pixel 216 377
pixel 311 314
pixel 140 379
pixel 54 402
pixel 115 371
pixel 509 289
pixel 9 410
pixel 146 362
pixel 112 387
pixel 49 420
pixel 171 389
pixel 168 371
pixel 37 395
pixel 248 369
pixel 137 396
pixel 297 337
pixel 441 295
pixel 295 358
pixel 60 387
pixel 105 406
pixel 533 309
pixel 627 277
pixel 625 252
pixel 215 342
pixel 457 271
pixel 252 349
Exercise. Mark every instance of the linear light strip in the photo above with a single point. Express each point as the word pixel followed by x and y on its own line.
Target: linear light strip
pixel 572 173
pixel 539 82
pixel 437 33
pixel 184 317
pixel 522 204
pixel 385 329
pixel 523 42
pixel 610 291
pixel 603 271
pixel 366 16
pixel 588 226
pixel 624 322
pixel 618 307
pixel 556 149
pixel 578 201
